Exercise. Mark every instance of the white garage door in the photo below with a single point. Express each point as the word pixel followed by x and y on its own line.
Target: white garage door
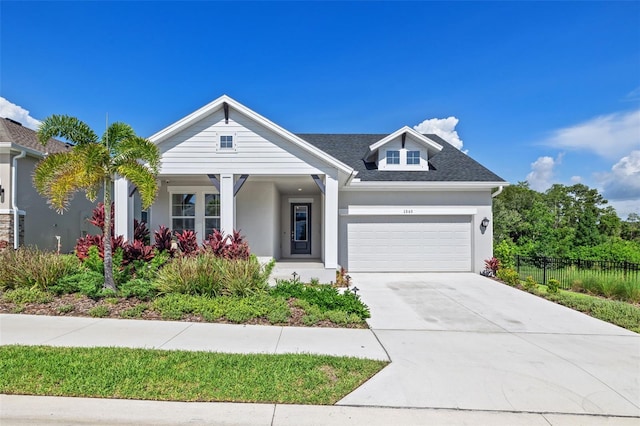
pixel 409 243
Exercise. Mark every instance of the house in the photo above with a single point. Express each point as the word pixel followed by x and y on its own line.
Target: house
pixel 38 225
pixel 379 203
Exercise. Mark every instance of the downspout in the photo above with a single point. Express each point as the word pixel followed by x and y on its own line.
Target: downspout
pixel 495 194
pixel 14 200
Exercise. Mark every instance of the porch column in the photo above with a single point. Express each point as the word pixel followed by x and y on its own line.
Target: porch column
pixel 123 206
pixel 330 222
pixel 227 203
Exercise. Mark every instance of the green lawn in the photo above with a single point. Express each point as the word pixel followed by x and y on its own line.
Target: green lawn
pixel 180 376
pixel 622 314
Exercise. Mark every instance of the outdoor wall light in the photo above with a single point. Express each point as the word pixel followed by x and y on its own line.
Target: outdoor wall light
pixel 485 222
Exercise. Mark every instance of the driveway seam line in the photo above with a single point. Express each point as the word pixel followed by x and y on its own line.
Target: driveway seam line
pixel 273 415
pixel 381 345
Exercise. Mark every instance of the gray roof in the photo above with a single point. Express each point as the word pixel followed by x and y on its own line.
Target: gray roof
pixel 14 132
pixel 449 165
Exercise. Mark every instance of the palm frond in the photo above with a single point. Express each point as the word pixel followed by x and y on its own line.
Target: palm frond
pixel 142 178
pixel 57 178
pixel 136 149
pixel 70 128
pixel 116 133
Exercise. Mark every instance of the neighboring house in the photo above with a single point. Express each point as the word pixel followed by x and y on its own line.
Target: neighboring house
pixel 369 203
pixel 38 225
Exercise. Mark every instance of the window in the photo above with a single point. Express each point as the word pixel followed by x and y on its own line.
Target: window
pixel 393 157
pixel 226 142
pixel 211 213
pixel 413 157
pixel 183 212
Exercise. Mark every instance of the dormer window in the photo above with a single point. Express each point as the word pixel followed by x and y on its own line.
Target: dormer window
pixel 393 157
pixel 226 142
pixel 413 157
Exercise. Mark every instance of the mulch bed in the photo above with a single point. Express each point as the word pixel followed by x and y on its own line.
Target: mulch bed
pixel 76 305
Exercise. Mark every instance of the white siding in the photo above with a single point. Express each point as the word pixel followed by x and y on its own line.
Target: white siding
pixel 257 150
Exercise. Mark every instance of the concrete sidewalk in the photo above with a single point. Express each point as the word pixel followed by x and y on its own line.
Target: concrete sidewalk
pixel 31 410
pixel 227 338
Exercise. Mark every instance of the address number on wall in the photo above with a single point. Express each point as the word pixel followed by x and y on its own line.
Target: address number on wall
pixel 407 211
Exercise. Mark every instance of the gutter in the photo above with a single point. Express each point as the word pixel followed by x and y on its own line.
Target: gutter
pixel 14 199
pixel 498 192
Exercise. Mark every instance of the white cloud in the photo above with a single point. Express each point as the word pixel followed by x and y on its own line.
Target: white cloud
pixel 633 95
pixel 625 207
pixel 576 179
pixel 443 127
pixel 17 113
pixel 609 136
pixel 623 182
pixel 541 176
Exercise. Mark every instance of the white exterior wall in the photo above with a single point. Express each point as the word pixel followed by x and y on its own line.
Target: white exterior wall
pixel 256 150
pixel 479 200
pixel 257 208
pixel 41 223
pixel 5 181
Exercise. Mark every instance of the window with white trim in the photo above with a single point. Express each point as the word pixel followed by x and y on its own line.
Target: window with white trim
pixel 226 142
pixel 413 157
pixel 211 213
pixel 393 157
pixel 183 212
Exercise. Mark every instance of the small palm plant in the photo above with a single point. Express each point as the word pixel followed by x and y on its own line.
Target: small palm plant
pixel 93 163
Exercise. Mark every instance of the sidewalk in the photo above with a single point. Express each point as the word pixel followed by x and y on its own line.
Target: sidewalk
pixel 85 332
pixel 30 410
pixel 228 338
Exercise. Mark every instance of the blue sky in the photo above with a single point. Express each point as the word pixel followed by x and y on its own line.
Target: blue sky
pixel 542 91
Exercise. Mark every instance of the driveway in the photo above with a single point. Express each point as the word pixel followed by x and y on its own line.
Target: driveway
pixel 463 341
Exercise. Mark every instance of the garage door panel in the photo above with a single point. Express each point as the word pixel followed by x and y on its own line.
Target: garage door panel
pixel 409 243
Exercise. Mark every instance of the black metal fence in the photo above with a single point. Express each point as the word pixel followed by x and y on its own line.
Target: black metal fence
pixel 567 271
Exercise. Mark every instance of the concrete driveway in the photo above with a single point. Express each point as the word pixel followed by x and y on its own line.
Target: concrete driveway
pixel 463 341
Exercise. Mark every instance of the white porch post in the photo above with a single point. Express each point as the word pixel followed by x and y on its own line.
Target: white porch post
pixel 330 222
pixel 227 204
pixel 123 209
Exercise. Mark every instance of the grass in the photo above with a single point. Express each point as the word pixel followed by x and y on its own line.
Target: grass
pixel 180 376
pixel 622 314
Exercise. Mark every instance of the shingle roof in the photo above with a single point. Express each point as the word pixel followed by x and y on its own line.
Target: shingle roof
pixel 449 165
pixel 14 132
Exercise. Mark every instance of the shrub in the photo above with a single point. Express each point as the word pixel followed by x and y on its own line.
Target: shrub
pixel 137 287
pixel 342 279
pixel 508 276
pixel 553 285
pixel 530 284
pixel 230 247
pixel 134 312
pixel 23 295
pixel 209 275
pixel 65 309
pixel 187 242
pixel 492 265
pixel 505 251
pixel 99 311
pixel 28 267
pixel 324 297
pixel 86 282
pixel 163 241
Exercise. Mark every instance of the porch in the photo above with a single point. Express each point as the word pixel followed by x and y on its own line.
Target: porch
pixel 290 218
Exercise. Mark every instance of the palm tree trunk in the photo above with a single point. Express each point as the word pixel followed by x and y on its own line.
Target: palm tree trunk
pixel 106 238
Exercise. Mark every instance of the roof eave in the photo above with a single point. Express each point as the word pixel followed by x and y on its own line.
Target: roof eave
pixel 424 185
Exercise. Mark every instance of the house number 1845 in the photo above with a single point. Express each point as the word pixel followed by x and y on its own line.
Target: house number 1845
pixel 408 211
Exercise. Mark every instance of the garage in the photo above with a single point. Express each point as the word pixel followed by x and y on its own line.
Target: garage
pixel 409 243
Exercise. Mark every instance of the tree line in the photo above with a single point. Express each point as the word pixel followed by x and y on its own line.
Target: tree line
pixel 564 221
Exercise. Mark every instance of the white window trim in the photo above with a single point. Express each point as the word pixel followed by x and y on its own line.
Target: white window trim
pixel 199 191
pixel 233 149
pixel 386 156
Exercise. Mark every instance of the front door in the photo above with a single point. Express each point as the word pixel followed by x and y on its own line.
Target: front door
pixel 301 228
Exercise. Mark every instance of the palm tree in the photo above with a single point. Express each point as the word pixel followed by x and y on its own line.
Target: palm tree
pixel 92 163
